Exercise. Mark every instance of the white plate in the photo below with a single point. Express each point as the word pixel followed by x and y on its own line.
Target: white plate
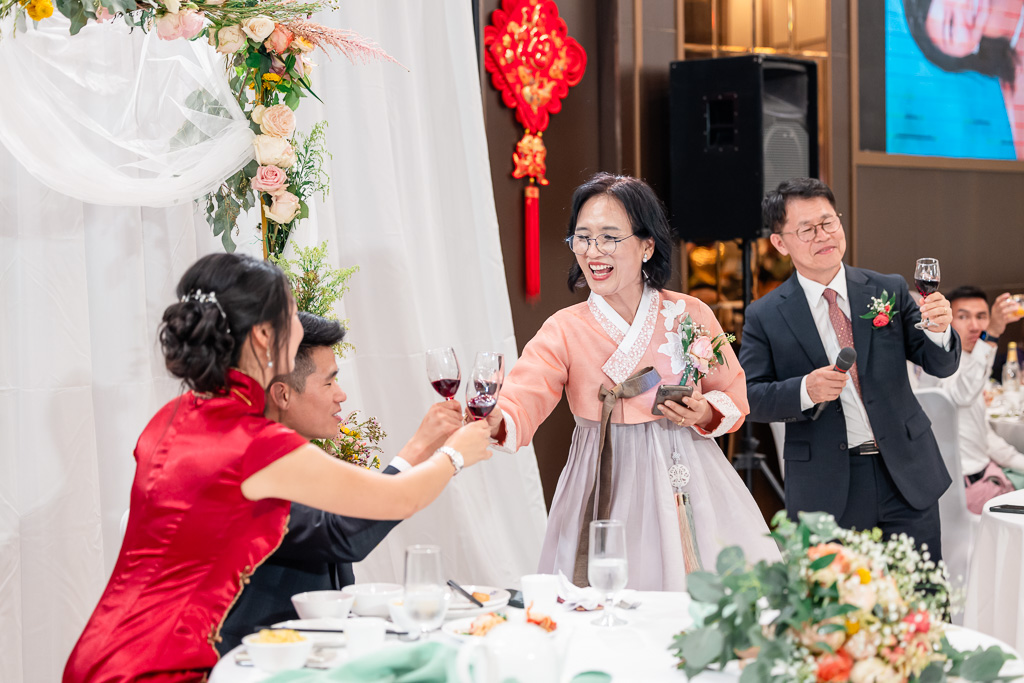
pixel 335 639
pixel 463 607
pixel 459 628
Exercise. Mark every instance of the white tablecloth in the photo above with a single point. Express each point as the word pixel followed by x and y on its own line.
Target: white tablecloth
pixel 635 653
pixel 995 592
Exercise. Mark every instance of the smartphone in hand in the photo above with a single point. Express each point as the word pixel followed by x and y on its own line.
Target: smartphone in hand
pixel 670 392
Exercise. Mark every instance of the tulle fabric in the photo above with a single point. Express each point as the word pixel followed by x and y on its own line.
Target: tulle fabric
pixel 169 134
pixel 724 513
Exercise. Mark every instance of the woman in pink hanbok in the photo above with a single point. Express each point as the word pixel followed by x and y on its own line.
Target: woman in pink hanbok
pixel 664 476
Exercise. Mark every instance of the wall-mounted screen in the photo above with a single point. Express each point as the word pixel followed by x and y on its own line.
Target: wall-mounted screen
pixel 939 78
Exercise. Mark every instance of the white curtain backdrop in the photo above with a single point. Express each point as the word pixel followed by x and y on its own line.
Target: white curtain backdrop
pixel 82 289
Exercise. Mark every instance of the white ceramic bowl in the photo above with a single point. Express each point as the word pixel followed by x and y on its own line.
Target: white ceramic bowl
pixel 372 598
pixel 274 657
pixel 396 609
pixel 322 604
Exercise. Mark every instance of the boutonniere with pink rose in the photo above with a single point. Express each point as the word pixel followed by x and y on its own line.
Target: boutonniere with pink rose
pixel 694 351
pixel 881 310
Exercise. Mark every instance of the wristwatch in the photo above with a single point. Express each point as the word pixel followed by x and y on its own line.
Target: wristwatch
pixel 454 456
pixel 986 337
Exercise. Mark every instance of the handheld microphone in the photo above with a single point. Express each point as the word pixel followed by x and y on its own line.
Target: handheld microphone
pixel 844 361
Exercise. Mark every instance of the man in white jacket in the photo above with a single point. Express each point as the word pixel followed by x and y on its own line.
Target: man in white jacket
pixel 979 333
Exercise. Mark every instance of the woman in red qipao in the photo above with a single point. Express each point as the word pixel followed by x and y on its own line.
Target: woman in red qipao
pixel 214 478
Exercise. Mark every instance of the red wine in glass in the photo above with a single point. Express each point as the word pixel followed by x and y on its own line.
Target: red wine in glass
pixel 480 406
pixel 443 371
pixel 926 287
pixel 926 279
pixel 446 387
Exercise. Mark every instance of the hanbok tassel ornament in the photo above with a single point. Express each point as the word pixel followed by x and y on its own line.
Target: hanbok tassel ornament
pixel 679 477
pixel 533 62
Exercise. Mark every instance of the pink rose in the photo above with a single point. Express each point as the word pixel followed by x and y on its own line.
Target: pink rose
pixel 279 40
pixel 270 179
pixel 881 320
pixel 103 14
pixel 284 208
pixel 278 121
pixel 192 23
pixel 702 348
pixel 168 26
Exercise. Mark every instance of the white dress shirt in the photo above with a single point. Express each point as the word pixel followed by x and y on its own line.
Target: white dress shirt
pixel 858 427
pixel 978 443
pixel 400 463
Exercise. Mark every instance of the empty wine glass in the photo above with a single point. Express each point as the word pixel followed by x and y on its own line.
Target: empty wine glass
pixel 607 568
pixel 926 278
pixel 426 596
pixel 443 371
pixel 484 384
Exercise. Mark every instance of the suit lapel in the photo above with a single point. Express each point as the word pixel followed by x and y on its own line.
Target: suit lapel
pixel 797 315
pixel 860 291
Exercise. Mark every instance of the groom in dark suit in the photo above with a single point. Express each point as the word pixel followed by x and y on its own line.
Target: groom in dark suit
pixel 858 445
pixel 319 548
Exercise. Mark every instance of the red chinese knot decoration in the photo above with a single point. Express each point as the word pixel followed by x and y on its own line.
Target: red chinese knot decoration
pixel 533 62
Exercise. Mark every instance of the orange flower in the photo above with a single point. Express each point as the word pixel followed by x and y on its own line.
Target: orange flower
pixel 840 563
pixel 834 668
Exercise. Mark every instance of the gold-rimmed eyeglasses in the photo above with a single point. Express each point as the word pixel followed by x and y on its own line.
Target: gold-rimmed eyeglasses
pixel 580 244
pixel 808 232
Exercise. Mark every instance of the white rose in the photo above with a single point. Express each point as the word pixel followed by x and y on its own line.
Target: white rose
pixel 257 114
pixel 258 28
pixel 863 644
pixel 284 208
pixel 172 5
pixel 272 151
pixel 215 3
pixel 873 670
pixel 230 39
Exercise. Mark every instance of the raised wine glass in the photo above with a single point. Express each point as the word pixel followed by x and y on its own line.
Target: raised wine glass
pixel 426 596
pixel 484 384
pixel 607 568
pixel 926 279
pixel 443 371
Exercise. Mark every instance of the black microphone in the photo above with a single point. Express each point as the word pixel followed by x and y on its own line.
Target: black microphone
pixel 844 361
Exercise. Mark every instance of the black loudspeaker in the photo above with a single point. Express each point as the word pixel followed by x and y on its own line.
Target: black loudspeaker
pixel 739 127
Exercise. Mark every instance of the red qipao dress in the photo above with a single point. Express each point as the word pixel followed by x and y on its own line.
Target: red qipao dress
pixel 192 540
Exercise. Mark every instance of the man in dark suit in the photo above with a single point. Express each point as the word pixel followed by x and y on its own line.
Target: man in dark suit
pixel 319 548
pixel 858 445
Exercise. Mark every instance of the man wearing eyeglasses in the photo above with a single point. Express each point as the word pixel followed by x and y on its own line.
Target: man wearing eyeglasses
pixel 858 445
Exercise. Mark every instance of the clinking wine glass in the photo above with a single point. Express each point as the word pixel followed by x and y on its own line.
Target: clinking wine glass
pixel 926 279
pixel 443 371
pixel 607 567
pixel 426 596
pixel 484 384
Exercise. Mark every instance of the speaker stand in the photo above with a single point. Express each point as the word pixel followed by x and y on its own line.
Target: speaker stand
pixel 747 460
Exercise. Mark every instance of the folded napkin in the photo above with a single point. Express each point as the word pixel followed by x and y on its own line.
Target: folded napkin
pixel 427 663
pixel 585 599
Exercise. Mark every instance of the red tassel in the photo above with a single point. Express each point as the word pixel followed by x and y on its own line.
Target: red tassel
pixel 532 242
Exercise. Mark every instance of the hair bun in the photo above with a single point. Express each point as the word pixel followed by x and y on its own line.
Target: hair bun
pixel 197 344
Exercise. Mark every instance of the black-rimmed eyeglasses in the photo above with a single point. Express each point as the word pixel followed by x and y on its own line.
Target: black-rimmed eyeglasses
pixel 580 244
pixel 808 232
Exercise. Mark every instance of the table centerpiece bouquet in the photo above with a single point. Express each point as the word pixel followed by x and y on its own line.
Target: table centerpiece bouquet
pixel 842 606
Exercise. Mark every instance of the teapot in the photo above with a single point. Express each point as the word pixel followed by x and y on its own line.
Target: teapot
pixel 519 652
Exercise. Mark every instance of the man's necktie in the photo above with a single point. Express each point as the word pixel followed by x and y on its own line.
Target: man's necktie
pixel 844 330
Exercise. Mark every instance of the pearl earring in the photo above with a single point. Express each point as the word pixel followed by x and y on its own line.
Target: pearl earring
pixel 270 363
pixel 646 257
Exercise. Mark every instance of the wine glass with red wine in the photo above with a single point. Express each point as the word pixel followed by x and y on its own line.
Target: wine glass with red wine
pixel 484 384
pixel 443 371
pixel 926 278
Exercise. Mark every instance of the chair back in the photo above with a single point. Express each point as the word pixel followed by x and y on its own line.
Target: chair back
pixel 957 522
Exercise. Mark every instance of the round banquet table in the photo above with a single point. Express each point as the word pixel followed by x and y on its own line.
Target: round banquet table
pixel 995 590
pixel 635 653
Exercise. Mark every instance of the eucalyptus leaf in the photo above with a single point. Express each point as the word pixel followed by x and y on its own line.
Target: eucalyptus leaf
pixel 705 587
pixel 699 648
pixel 731 560
pixel 983 666
pixel 822 562
pixel 756 672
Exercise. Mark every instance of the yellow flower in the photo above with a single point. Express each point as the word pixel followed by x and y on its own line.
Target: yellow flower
pixel 864 574
pixel 39 9
pixel 271 78
pixel 852 627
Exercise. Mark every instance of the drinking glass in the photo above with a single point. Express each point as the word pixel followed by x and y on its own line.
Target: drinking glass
pixel 607 568
pixel 926 278
pixel 443 371
pixel 426 596
pixel 484 384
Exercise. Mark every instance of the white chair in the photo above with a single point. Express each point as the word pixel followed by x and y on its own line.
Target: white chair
pixel 779 435
pixel 957 522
